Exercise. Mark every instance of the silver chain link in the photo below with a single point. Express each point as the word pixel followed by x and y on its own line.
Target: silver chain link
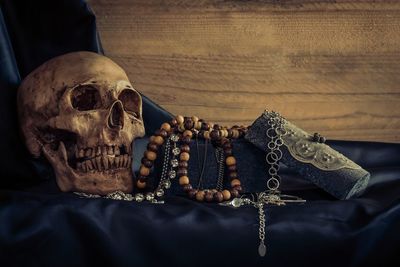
pixel 220 156
pixel 261 229
pixel 274 155
pixel 167 152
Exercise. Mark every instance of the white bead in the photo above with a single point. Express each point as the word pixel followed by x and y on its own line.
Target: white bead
pixel 160 192
pixel 139 197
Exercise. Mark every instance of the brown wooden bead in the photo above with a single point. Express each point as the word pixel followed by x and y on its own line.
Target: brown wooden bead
pixel 166 126
pixel 181 128
pixel 206 134
pixel 151 139
pixel 185 148
pixel 140 184
pixel 232 168
pixel 152 147
pixel 233 175
pixel 173 122
pixel 144 171
pixel 188 123
pixel 214 135
pixel 146 162
pixel 235 182
pixel 183 164
pixel 157 132
pixel 158 140
pixel 150 155
pixel 187 133
pixel 182 172
pixel 226 132
pixel 186 139
pixel 235 133
pixel 142 178
pixel 234 193
pixel 200 195
pixel 230 161
pixel 183 180
pixel 195 119
pixel 229 133
pixel 209 196
pixel 226 194
pixel 161 132
pixel 180 119
pixel 192 193
pixel 218 196
pixel 187 187
pixel 205 126
pixel 197 125
pixel 184 156
pixel 238 188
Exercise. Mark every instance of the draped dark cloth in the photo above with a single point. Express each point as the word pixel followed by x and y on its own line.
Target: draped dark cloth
pixel 41 226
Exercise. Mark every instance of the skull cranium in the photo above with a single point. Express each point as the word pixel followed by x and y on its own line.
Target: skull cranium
pixel 80 111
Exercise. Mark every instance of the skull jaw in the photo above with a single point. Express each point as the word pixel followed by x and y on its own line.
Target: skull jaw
pixel 93 182
pixel 99 183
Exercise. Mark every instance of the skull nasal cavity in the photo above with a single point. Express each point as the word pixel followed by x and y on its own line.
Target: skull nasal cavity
pixel 116 117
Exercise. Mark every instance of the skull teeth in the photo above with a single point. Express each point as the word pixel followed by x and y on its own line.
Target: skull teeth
pixel 104 163
pixel 102 158
pixel 101 150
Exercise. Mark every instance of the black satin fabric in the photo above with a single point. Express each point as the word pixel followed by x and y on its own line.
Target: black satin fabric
pixel 60 229
pixel 40 226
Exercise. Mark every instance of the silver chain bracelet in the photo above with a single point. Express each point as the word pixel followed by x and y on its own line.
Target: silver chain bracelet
pixel 272 195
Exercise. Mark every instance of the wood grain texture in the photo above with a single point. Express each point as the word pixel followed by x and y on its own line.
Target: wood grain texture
pixel 329 66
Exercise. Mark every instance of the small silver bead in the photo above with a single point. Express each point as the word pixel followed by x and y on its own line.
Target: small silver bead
pixel 176 151
pixel 174 138
pixel 167 184
pixel 174 163
pixel 172 174
pixel 139 197
pixel 149 196
pixel 160 192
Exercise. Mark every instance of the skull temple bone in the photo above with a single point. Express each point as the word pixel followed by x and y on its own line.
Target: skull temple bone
pixel 80 111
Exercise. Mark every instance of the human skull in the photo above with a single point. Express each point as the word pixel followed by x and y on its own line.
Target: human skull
pixel 80 111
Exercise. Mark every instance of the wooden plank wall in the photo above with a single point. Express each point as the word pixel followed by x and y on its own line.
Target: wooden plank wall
pixel 329 66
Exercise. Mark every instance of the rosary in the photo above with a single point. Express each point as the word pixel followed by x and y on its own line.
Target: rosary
pixel 175 137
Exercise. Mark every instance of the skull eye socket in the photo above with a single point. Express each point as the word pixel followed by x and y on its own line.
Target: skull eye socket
pixel 85 97
pixel 131 102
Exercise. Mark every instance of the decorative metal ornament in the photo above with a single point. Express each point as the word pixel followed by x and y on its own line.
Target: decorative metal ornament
pixel 302 147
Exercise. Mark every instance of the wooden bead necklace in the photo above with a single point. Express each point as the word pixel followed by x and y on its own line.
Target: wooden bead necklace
pixel 183 129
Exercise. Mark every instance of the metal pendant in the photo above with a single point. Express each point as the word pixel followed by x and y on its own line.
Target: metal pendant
pixel 262 249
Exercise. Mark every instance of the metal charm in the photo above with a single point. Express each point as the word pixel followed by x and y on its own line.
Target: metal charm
pixel 303 146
